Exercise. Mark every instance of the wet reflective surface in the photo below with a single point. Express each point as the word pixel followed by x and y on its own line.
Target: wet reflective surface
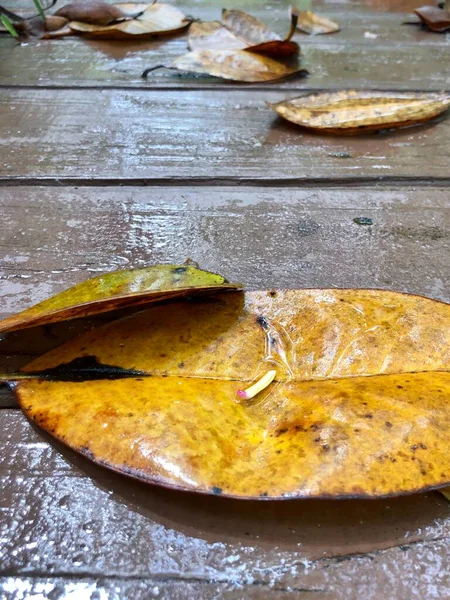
pixel 70 529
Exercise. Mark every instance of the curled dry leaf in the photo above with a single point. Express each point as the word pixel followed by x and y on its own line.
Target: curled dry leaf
pixel 115 290
pixel 241 31
pixel 315 24
pixel 436 19
pixel 152 20
pixel 352 112
pixel 93 12
pixel 237 65
pixel 213 36
pixel 359 406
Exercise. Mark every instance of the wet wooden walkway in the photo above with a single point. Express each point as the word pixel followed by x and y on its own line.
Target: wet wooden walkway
pixel 99 171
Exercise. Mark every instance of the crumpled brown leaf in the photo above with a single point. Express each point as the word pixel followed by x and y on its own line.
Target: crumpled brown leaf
pixel 315 24
pixel 237 65
pixel 436 19
pixel 241 31
pixel 152 19
pixel 352 112
pixel 93 12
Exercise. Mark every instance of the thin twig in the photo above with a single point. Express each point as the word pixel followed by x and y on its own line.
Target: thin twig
pixel 147 71
pixel 10 15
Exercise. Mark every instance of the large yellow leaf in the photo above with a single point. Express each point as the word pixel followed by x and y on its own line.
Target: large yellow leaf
pixel 350 112
pixel 115 290
pixel 359 406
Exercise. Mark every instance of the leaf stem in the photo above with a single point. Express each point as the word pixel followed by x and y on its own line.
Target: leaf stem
pixel 10 377
pixel 12 16
pixel 294 21
pixel 147 71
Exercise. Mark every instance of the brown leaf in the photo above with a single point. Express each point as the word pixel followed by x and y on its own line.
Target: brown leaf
pixel 257 36
pixel 54 23
pixel 213 36
pixel 240 31
pixel 359 406
pixel 249 29
pixel 237 65
pixel 352 112
pixel 315 24
pixel 117 290
pixel 153 20
pixel 94 12
pixel 436 19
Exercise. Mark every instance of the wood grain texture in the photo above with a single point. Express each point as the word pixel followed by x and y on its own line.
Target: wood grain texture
pixel 66 517
pixel 70 529
pixel 399 57
pixel 357 62
pixel 198 136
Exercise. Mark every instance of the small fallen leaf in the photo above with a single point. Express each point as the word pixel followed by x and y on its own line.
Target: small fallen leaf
pixel 241 31
pixel 154 19
pixel 315 24
pixel 359 406
pixel 93 12
pixel 352 112
pixel 436 19
pixel 213 36
pixel 248 28
pixel 237 65
pixel 117 290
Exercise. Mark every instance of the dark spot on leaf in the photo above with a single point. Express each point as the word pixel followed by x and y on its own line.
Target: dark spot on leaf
pixel 400 387
pixel 262 321
pixel 414 447
pixel 368 416
pixel 216 490
pixel 423 446
pixel 85 368
pixel 264 495
pixel 281 431
pixel 326 448
pixel 388 424
pixel 179 270
pixel 180 365
pixel 272 293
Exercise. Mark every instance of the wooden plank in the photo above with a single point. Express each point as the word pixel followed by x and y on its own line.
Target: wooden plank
pixel 53 238
pixel 401 57
pixel 67 136
pixel 142 588
pixel 64 517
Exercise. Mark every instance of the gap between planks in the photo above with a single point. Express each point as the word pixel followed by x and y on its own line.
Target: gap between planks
pixel 171 181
